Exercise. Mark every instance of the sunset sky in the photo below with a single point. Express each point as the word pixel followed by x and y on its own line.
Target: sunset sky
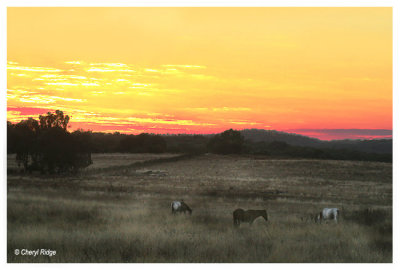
pixel 321 72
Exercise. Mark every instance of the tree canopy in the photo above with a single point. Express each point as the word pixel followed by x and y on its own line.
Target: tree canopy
pixel 47 146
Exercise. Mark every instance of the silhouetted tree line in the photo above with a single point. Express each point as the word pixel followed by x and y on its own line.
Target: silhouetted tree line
pixel 233 142
pixel 284 150
pixel 186 143
pixel 47 146
pixel 148 143
pixel 143 143
pixel 383 146
pixel 228 142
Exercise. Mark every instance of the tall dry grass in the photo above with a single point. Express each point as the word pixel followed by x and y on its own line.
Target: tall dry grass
pixel 141 231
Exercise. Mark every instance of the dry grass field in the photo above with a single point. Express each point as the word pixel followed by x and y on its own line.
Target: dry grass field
pixel 122 213
pixel 106 160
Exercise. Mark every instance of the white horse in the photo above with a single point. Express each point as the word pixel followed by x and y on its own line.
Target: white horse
pixel 328 213
pixel 179 207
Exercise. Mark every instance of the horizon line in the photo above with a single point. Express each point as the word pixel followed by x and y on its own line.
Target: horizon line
pixel 385 135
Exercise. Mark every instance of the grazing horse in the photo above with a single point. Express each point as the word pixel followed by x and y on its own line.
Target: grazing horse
pixel 240 215
pixel 328 213
pixel 180 206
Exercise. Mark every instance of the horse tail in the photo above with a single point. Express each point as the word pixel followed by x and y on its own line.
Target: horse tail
pixel 318 218
pixel 266 215
pixel 236 221
pixel 173 211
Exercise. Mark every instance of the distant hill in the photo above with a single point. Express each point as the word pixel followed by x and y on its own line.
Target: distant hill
pixel 382 146
pixel 268 136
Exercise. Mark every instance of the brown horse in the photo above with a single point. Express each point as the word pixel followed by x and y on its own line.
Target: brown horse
pixel 240 215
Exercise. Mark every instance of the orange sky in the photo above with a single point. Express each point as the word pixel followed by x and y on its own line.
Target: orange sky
pixel 202 70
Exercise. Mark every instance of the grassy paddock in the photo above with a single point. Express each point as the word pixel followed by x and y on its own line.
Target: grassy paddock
pixel 86 221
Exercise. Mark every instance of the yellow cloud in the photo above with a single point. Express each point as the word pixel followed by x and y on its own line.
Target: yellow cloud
pixel 74 62
pixel 220 109
pixel 185 66
pixel 39 99
pixel 34 69
pixel 101 69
